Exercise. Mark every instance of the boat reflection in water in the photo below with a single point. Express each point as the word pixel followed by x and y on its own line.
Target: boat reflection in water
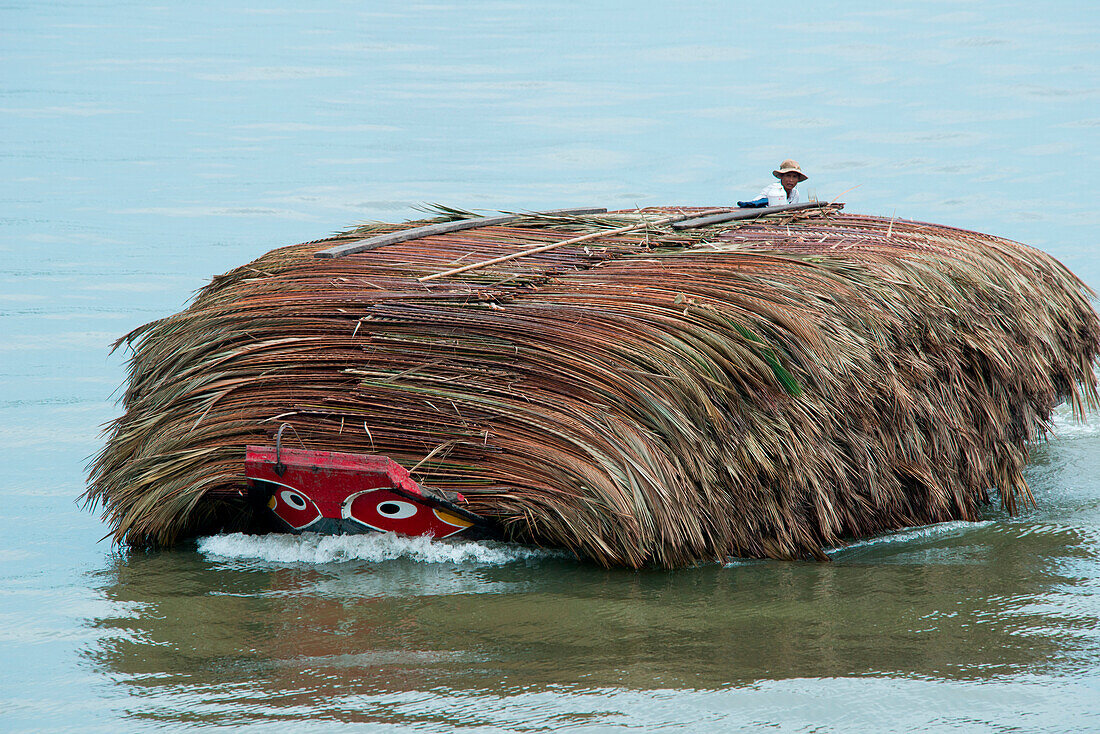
pixel 526 638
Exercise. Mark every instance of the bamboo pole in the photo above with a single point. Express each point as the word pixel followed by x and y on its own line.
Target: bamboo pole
pixel 429 230
pixel 748 214
pixel 572 241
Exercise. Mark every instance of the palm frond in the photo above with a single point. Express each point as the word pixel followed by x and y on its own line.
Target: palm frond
pixel 765 389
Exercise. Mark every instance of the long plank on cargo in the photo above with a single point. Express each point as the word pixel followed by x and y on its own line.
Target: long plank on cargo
pixel 747 214
pixel 442 228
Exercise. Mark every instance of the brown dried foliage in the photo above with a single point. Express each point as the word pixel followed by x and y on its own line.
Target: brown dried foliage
pixel 656 398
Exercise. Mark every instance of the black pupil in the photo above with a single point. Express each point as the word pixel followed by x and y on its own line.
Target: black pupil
pixel 296 500
pixel 388 508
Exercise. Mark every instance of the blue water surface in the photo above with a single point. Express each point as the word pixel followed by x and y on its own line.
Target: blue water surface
pixel 148 147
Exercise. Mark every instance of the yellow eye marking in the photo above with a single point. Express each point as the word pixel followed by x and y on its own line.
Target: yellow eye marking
pixel 452 519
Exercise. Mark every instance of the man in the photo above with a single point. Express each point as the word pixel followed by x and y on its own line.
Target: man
pixel 783 192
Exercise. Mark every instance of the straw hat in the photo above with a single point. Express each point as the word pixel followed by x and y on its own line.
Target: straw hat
pixel 789 166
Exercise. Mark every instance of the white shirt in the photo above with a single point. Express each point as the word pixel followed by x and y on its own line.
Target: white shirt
pixel 778 195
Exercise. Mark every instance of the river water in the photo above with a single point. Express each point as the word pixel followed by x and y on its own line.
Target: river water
pixel 146 148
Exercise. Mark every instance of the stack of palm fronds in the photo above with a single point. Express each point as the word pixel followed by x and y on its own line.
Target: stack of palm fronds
pixel 648 398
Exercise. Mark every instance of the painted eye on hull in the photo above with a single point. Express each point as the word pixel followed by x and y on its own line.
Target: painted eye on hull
pixel 294 508
pixel 293 499
pixel 384 510
pixel 395 509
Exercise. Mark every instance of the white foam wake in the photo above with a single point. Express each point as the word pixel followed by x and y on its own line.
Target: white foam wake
pixel 372 547
pixel 1066 426
pixel 900 537
pixel 909 535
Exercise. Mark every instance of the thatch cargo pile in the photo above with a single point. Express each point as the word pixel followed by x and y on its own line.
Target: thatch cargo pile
pixel 657 397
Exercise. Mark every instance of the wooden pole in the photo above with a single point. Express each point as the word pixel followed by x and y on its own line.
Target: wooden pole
pixel 572 241
pixel 749 214
pixel 428 230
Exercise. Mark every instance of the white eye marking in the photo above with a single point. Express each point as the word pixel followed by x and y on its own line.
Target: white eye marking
pixel 293 499
pixel 396 510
